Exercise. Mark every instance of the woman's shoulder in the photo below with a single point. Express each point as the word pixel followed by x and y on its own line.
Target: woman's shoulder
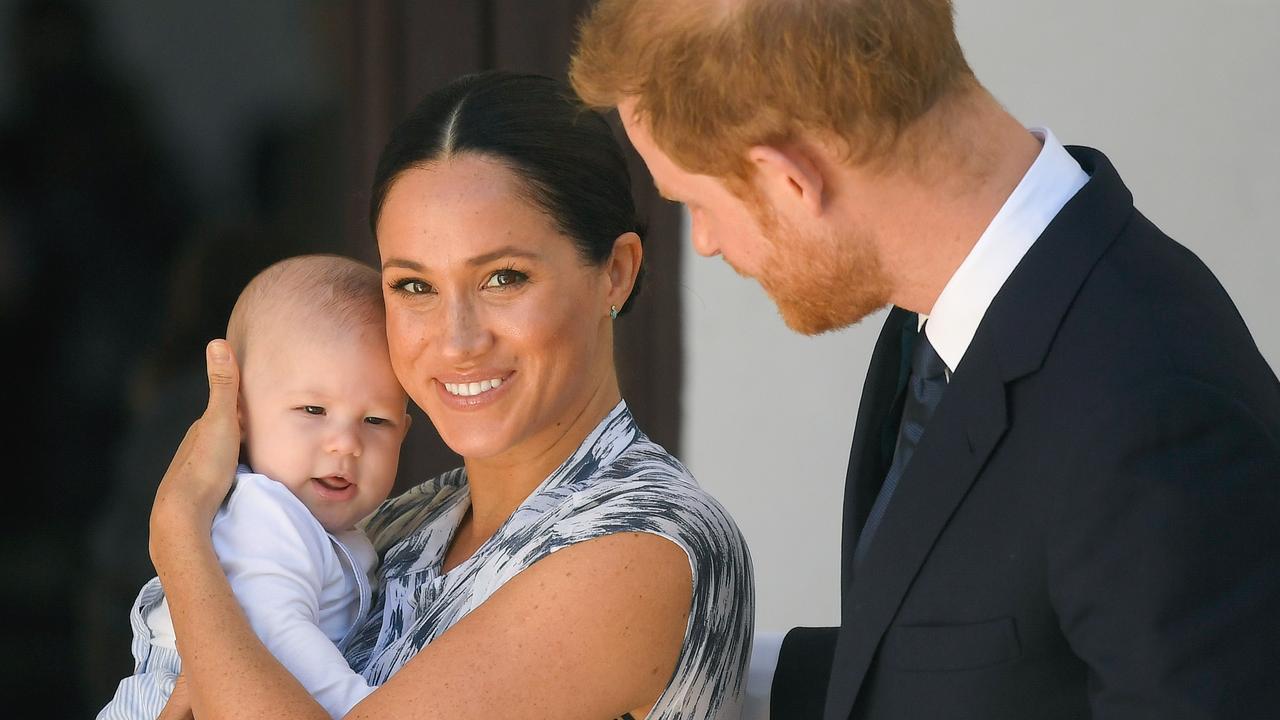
pixel 399 516
pixel 646 489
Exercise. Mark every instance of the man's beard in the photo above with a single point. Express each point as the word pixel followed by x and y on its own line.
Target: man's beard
pixel 821 284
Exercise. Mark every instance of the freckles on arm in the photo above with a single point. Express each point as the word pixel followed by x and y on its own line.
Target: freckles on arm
pixel 591 631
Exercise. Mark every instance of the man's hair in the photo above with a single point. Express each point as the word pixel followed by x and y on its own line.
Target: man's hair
pixel 711 81
pixel 319 293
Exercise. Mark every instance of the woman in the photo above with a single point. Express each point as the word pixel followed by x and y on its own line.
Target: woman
pixel 571 568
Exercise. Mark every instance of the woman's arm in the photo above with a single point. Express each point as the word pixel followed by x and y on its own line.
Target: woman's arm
pixel 591 631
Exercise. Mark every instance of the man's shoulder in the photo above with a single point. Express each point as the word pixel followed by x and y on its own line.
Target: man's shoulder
pixel 1148 312
pixel 1160 309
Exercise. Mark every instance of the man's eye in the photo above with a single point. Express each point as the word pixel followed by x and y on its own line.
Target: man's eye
pixel 313 409
pixel 504 278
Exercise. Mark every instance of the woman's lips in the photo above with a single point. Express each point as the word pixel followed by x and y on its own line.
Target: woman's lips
pixel 470 394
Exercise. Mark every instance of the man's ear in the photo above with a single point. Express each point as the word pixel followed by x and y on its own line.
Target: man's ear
pixel 788 175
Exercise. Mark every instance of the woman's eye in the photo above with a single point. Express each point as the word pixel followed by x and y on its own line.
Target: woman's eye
pixel 313 409
pixel 411 287
pixel 505 278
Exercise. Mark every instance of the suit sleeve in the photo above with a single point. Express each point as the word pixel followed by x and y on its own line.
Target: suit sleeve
pixel 1165 560
pixel 273 558
pixel 804 669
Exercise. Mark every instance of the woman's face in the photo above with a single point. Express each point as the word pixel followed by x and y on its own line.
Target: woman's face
pixel 497 327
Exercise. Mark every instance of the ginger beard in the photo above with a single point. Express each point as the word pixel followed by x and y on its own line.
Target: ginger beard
pixel 819 283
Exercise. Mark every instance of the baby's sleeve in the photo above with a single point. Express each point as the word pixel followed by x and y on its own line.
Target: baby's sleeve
pixel 274 555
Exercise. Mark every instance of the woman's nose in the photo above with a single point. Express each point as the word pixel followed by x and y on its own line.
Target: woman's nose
pixel 464 335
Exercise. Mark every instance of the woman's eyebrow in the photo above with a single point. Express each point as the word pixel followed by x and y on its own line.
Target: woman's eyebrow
pixel 483 259
pixel 508 251
pixel 402 263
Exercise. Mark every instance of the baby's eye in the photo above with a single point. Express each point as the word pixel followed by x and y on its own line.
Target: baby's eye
pixel 376 420
pixel 505 278
pixel 411 287
pixel 313 409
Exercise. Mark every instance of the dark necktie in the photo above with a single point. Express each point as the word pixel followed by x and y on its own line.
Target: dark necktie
pixel 924 389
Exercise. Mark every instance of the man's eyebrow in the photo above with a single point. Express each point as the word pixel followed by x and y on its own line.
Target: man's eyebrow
pixel 483 259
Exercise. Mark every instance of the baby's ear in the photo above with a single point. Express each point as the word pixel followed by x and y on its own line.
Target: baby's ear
pixel 408 420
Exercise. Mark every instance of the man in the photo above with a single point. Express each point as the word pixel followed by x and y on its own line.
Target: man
pixel 1063 496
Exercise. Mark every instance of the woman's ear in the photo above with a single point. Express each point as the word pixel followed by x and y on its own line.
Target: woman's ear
pixel 623 268
pixel 789 177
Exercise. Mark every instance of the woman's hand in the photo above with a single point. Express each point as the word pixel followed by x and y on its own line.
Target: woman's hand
pixel 178 707
pixel 202 470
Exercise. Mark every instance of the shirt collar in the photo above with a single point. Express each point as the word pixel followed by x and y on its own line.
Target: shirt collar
pixel 1050 182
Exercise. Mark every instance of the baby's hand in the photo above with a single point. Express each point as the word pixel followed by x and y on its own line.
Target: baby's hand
pixel 203 468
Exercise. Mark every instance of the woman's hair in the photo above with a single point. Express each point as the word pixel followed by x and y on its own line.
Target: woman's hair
pixel 711 80
pixel 564 154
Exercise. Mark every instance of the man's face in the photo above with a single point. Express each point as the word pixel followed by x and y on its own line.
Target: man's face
pixel 822 277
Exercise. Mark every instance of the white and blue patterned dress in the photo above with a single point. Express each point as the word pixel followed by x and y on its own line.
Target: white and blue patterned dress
pixel 617 481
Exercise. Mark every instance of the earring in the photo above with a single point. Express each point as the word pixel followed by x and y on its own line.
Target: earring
pixel 613 312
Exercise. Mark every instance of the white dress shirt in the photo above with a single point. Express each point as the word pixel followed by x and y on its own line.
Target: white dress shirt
pixel 1053 179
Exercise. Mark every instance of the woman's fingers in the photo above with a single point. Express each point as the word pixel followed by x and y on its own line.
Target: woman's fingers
pixel 218 434
pixel 224 381
pixel 202 469
pixel 178 706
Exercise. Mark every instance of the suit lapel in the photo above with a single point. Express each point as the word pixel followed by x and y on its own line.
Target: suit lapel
pixel 867 461
pixel 1011 342
pixel 972 417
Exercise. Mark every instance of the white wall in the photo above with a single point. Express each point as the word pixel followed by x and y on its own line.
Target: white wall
pixel 1183 97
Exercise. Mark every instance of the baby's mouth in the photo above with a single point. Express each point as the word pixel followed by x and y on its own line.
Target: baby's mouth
pixel 333 482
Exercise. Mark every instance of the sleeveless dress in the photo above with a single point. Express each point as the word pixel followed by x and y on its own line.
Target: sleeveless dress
pixel 616 481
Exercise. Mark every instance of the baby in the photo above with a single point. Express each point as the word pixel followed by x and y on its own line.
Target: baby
pixel 322 418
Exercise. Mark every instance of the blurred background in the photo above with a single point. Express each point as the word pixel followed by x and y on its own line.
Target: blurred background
pixel 155 154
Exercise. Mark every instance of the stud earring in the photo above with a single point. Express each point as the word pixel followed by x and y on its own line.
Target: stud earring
pixel 613 312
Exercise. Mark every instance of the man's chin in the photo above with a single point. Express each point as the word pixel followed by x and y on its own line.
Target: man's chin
pixel 810 319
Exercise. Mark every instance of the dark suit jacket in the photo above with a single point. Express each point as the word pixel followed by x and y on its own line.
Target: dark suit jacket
pixel 1090 526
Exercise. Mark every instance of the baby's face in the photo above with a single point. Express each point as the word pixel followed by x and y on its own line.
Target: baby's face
pixel 325 416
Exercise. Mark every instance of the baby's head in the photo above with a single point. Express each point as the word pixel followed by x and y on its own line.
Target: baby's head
pixel 320 407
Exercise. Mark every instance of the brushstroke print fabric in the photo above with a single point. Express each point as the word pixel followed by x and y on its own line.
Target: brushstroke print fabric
pixel 617 481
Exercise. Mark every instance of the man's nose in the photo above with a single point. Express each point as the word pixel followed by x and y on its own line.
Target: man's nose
pixel 703 243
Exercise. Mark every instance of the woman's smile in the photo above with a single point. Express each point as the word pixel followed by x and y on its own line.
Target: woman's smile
pixel 472 394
